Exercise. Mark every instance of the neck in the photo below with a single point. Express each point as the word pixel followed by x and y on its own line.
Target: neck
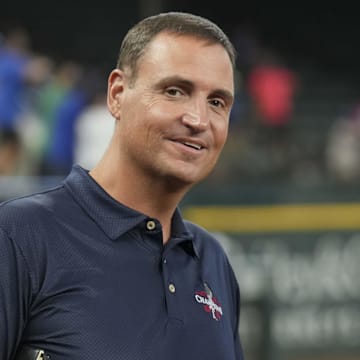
pixel 155 197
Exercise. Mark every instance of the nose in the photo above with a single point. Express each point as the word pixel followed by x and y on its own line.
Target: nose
pixel 195 121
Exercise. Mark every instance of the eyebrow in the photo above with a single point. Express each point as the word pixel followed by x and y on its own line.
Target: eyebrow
pixel 180 81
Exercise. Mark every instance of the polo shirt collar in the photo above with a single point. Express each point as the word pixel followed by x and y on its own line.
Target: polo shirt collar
pixel 114 218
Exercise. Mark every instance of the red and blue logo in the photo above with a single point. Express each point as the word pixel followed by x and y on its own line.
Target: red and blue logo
pixel 210 303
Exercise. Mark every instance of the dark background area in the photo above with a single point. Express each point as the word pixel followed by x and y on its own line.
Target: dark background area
pixel 319 34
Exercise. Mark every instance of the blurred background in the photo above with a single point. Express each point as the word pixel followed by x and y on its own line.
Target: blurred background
pixel 284 199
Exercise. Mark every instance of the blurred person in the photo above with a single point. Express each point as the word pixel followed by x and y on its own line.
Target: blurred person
pixel 58 155
pixel 10 151
pixel 93 128
pixel 272 87
pixel 65 144
pixel 20 70
pixel 104 265
pixel 342 150
pixel 48 99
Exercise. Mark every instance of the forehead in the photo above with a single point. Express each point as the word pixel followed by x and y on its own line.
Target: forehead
pixel 187 55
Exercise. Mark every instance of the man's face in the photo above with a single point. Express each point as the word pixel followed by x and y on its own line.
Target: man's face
pixel 173 120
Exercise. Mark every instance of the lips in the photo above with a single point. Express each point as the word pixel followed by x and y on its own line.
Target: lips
pixel 195 144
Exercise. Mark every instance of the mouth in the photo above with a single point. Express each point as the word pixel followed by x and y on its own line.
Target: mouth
pixel 192 145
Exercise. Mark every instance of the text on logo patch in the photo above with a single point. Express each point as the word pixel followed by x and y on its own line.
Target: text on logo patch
pixel 211 305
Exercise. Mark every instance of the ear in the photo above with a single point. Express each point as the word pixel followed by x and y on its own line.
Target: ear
pixel 114 92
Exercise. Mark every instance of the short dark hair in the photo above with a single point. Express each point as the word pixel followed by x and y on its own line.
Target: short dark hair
pixel 180 23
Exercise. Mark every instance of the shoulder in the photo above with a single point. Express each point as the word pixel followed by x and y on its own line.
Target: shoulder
pixel 21 215
pixel 29 229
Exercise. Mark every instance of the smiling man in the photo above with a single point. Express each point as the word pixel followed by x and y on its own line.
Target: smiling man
pixel 104 266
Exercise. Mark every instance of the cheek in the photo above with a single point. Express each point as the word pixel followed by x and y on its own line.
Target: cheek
pixel 161 111
pixel 220 134
pixel 150 102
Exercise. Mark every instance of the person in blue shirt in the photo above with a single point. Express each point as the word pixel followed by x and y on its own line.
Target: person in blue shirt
pixel 20 72
pixel 104 266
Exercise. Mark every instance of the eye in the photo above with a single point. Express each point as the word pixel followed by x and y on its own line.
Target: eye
pixel 217 103
pixel 174 91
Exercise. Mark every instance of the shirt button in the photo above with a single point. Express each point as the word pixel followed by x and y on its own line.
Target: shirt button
pixel 150 225
pixel 165 261
pixel 172 288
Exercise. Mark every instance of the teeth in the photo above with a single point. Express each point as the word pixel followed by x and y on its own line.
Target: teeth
pixel 195 146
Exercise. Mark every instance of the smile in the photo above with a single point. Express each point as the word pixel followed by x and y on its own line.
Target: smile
pixel 193 145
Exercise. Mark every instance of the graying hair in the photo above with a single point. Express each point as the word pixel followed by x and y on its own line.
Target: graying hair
pixel 140 35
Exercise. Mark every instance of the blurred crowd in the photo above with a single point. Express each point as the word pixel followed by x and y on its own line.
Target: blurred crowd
pixel 272 139
pixel 53 114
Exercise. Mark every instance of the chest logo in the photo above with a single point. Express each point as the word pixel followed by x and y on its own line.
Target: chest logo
pixel 210 303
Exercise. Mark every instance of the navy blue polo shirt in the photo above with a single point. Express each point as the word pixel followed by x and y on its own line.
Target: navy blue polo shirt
pixel 86 278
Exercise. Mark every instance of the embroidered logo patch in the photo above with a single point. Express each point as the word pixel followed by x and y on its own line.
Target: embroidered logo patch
pixel 211 304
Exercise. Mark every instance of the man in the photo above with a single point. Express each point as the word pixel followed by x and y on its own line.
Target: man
pixel 103 266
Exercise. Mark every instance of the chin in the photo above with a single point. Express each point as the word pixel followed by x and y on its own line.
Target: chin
pixel 185 179
pixel 181 175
